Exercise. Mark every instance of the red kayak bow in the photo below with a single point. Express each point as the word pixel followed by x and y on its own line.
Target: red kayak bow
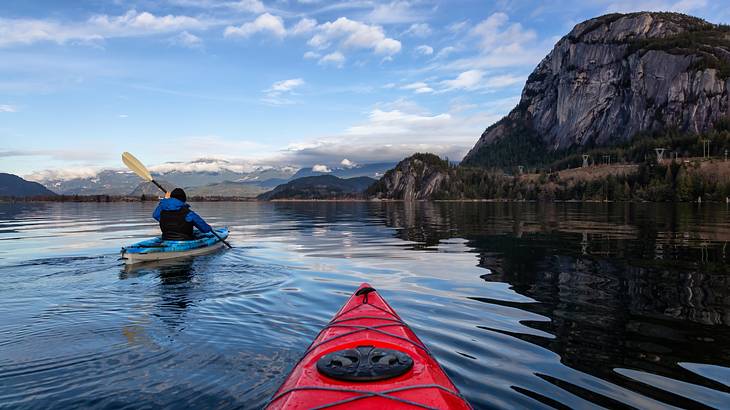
pixel 367 358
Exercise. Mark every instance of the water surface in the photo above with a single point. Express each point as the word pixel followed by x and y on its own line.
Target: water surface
pixel 525 305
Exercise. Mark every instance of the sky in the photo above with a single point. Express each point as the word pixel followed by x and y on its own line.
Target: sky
pixel 279 82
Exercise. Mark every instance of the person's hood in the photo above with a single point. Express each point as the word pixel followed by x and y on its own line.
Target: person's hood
pixel 172 204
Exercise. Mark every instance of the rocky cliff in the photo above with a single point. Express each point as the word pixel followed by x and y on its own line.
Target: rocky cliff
pixel 610 78
pixel 419 176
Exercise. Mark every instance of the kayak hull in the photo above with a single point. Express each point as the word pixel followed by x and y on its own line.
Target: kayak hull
pixel 156 249
pixel 367 320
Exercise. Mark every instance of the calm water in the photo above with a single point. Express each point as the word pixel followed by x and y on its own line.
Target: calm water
pixel 525 305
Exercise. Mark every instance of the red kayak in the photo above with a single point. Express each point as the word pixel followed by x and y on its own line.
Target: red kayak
pixel 367 358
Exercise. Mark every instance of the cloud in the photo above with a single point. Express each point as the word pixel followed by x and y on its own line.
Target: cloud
pixel 444 52
pixel 97 28
pixel 249 6
pixel 187 40
pixel 336 59
pixel 304 26
pixel 265 23
pixel 287 85
pixel 399 11
pixel 346 163
pixel 321 168
pixel 682 6
pixel 8 108
pixel 63 174
pixel 275 95
pixel 311 55
pixel 418 87
pixel 123 116
pixel 424 50
pixel 354 34
pixel 393 131
pixel 418 30
pixel 467 80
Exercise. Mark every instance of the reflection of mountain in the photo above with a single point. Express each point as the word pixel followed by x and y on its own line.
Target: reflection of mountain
pixel 626 286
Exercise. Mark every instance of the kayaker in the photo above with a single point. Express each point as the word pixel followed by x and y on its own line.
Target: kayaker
pixel 176 219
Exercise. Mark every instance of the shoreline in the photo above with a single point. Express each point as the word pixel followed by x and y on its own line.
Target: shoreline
pixel 93 199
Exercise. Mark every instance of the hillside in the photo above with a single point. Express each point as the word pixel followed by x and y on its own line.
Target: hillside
pixel 227 189
pixel 320 187
pixel 15 186
pixel 610 79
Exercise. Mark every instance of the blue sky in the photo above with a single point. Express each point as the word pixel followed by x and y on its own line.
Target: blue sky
pixel 297 82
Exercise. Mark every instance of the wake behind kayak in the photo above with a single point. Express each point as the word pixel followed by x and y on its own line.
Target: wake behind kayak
pixel 156 249
pixel 367 358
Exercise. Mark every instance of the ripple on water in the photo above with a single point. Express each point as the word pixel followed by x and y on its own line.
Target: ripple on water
pixel 525 305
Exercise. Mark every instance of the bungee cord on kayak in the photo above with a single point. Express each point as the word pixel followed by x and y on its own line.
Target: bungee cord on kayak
pixel 342 366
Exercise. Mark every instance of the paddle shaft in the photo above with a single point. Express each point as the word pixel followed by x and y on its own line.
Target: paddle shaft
pixel 211 230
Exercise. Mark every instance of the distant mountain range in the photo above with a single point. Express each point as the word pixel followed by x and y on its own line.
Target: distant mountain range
pixel 13 185
pixel 375 170
pixel 204 177
pixel 320 187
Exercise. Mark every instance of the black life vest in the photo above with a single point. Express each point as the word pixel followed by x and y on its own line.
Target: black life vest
pixel 174 227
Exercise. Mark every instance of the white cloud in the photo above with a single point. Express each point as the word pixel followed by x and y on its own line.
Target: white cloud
pixel 346 163
pixel 393 131
pixel 419 30
pixel 123 116
pixel 444 52
pixel 187 40
pixel 505 80
pixel 276 94
pixel 424 50
pixel 492 33
pixel 398 11
pixel 250 6
pixel 467 80
pixel 681 6
pixel 304 26
pixel 418 87
pixel 96 28
pixel 311 55
pixel 336 58
pixel 287 85
pixel 63 174
pixel 8 108
pixel 354 34
pixel 265 23
pixel 321 168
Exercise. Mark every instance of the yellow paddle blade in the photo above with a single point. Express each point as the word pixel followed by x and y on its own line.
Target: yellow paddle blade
pixel 136 166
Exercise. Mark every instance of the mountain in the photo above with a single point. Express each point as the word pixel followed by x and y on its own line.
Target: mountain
pixel 420 176
pixel 184 174
pixel 13 185
pixel 320 187
pixel 609 79
pixel 375 170
pixel 150 189
pixel 228 189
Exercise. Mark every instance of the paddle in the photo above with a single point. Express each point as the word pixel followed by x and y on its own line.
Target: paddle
pixel 138 168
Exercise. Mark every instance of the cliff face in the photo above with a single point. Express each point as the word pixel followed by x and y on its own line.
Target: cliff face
pixel 617 75
pixel 419 176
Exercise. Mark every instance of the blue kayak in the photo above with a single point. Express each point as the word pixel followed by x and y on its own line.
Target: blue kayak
pixel 156 249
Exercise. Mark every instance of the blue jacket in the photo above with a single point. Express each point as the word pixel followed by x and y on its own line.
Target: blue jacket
pixel 174 204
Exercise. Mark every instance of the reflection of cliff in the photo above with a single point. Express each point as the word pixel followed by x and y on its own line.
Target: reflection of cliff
pixel 624 285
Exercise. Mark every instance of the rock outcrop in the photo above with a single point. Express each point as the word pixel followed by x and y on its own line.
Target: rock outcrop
pixel 618 75
pixel 419 176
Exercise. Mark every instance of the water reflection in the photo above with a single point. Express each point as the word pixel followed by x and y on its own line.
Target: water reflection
pixel 525 305
pixel 625 286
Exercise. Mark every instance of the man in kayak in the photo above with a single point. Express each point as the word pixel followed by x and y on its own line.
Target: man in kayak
pixel 176 219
